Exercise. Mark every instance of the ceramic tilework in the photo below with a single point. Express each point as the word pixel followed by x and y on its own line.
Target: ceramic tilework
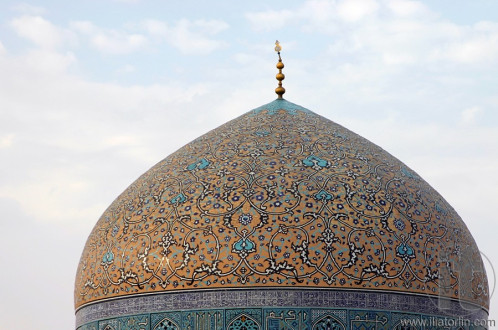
pixel 280 197
pixel 286 301
pixel 271 319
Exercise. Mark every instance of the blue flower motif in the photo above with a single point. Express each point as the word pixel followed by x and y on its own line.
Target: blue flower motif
pixel 405 252
pixel 262 133
pixel 180 198
pixel 108 257
pixel 199 165
pixel 315 162
pixel 322 195
pixel 243 247
pixel 245 219
pixel 399 224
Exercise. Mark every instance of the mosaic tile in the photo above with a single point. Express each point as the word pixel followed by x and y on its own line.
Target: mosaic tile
pixel 282 318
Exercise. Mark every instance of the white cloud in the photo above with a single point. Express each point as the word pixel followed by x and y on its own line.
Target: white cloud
pixel 469 115
pixel 121 140
pixel 66 130
pixel 85 27
pixel 2 49
pixel 6 141
pixel 39 241
pixel 190 37
pixel 269 20
pixel 110 40
pixel 155 27
pixel 398 32
pixel 405 8
pixel 209 27
pixel 49 61
pixel 118 43
pixel 478 48
pixel 320 11
pixel 128 68
pixel 355 10
pixel 40 31
pixel 313 13
pixel 28 9
pixel 59 189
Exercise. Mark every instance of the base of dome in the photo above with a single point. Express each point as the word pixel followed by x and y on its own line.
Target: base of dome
pixel 278 309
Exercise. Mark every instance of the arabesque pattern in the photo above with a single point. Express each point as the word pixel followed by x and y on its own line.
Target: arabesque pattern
pixel 280 197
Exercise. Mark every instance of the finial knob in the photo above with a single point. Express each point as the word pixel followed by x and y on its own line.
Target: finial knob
pixel 278 48
pixel 280 76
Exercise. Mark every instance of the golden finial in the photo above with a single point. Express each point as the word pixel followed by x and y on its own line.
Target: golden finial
pixel 280 76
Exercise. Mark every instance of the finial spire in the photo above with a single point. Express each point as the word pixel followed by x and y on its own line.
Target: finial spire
pixel 280 76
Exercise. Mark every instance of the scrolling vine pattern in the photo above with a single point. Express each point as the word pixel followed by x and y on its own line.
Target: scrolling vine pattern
pixel 280 197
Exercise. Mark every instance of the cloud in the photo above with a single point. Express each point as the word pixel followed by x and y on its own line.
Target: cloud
pixel 319 14
pixel 355 10
pixel 58 188
pixel 28 9
pixel 469 115
pixel 6 141
pixel 405 8
pixel 40 31
pixel 85 27
pixel 49 61
pixel 190 37
pixel 46 257
pixel 396 32
pixel 61 131
pixel 128 68
pixel 476 44
pixel 48 55
pixel 269 20
pixel 117 43
pixel 110 41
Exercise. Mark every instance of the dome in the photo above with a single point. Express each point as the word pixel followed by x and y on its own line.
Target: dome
pixel 279 217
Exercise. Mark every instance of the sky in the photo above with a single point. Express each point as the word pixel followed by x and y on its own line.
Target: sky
pixel 94 93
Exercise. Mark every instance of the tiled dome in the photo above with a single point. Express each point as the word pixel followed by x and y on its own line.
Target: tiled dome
pixel 280 203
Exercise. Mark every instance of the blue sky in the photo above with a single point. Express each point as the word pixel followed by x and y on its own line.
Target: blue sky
pixel 94 93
